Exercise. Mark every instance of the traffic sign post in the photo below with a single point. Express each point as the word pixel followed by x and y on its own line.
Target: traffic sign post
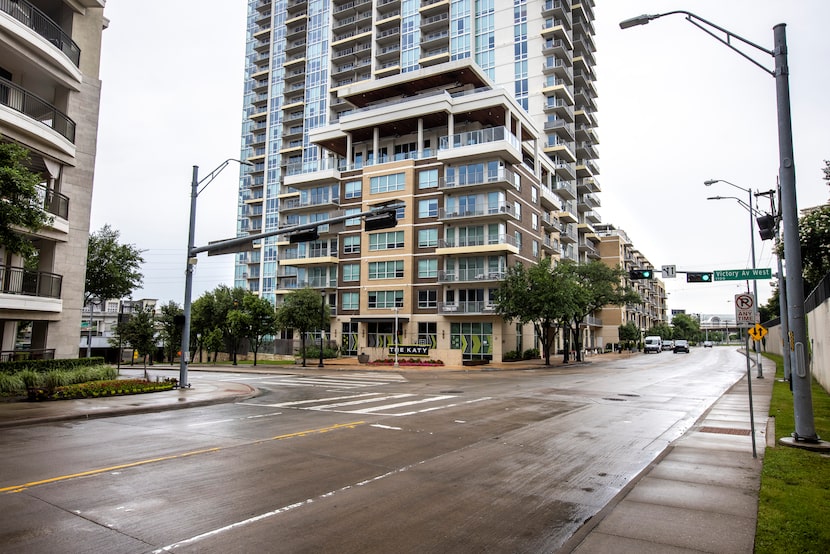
pixel 744 309
pixel 669 271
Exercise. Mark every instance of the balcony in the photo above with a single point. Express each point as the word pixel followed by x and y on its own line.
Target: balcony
pixel 16 280
pixel 481 143
pixel 40 23
pixel 503 177
pixel 302 203
pixel 478 245
pixel 500 210
pixel 476 275
pixel 467 308
pixel 19 100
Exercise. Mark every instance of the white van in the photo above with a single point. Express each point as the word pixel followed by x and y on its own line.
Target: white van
pixel 653 344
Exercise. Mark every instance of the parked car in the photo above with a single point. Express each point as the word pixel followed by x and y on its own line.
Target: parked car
pixel 707 344
pixel 681 345
pixel 668 344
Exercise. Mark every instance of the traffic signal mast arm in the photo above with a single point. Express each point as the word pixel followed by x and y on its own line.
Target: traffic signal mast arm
pixel 227 244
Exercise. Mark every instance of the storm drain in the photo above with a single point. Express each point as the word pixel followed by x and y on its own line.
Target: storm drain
pixel 615 399
pixel 452 392
pixel 725 431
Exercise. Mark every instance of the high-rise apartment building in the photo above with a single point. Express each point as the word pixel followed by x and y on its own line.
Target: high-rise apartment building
pixel 349 104
pixel 49 98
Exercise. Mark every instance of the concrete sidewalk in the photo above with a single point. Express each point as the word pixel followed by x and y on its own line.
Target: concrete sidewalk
pixel 701 495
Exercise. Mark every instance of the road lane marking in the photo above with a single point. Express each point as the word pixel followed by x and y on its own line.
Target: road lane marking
pixel 24 486
pixel 284 509
pixel 399 405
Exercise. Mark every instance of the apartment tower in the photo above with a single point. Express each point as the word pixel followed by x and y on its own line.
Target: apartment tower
pixel 49 98
pixel 317 125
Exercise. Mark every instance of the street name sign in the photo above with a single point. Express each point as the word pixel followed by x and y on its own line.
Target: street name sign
pixel 744 314
pixel 743 274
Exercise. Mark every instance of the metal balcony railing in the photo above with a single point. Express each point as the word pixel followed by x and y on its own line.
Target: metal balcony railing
pixel 16 280
pixel 40 23
pixel 54 202
pixel 20 100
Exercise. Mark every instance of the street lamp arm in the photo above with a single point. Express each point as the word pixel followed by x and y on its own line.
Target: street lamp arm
pixel 207 179
pixel 702 24
pixel 747 207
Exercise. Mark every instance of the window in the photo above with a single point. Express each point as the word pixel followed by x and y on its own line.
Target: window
pixel 387 183
pixel 427 238
pixel 427 333
pixel 534 221
pixel 534 195
pixel 428 269
pixel 353 189
pixel 386 241
pixel 386 270
pixel 428 208
pixel 518 236
pixel 428 179
pixel 535 246
pixel 350 300
pixel 354 220
pixel 427 299
pixel 351 244
pixel 351 272
pixel 386 299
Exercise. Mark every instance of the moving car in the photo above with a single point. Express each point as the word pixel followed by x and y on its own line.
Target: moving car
pixel 681 345
pixel 653 344
pixel 668 344
pixel 707 344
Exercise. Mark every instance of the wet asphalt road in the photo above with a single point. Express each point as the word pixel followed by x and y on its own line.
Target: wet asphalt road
pixel 357 461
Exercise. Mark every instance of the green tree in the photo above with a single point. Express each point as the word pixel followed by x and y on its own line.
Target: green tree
pixel 171 333
pixel 213 342
pixel 21 205
pixel 112 269
pixel 537 295
pixel 661 330
pixel 814 236
pixel 629 333
pixel 202 323
pixel 227 300
pixel 301 311
pixel 685 327
pixel 262 320
pixel 238 324
pixel 140 332
pixel 596 285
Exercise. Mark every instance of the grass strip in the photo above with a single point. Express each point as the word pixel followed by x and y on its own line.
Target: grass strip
pixel 794 502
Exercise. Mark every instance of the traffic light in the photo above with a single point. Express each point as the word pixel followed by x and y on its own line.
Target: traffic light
pixel 766 226
pixel 641 274
pixel 698 277
pixel 304 236
pixel 383 220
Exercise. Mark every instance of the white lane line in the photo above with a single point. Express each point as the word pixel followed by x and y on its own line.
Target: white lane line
pixel 232 419
pixel 400 405
pixel 282 510
pixel 379 426
pixel 453 405
pixel 356 402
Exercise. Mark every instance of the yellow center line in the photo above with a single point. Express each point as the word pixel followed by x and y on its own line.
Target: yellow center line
pixel 24 486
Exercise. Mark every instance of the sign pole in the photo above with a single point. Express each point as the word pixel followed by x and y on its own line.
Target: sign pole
pixel 751 409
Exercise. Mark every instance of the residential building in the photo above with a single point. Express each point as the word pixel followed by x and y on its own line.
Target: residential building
pixel 100 319
pixel 306 59
pixel 617 250
pixel 49 98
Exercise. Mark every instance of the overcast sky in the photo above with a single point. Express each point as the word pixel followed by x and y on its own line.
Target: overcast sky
pixel 675 108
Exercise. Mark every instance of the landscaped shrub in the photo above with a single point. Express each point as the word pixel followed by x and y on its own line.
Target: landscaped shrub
pixel 43 366
pixel 530 354
pixel 11 384
pixel 511 356
pixel 117 387
pixel 313 353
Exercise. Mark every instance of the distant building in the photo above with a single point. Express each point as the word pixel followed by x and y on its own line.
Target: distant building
pixel 616 249
pixel 49 98
pixel 100 320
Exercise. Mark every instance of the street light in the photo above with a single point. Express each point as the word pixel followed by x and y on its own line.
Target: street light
pixel 191 258
pixel 322 324
pixel 752 213
pixel 801 383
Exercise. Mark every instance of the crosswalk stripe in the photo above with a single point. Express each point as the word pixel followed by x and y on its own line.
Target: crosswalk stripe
pixel 399 405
